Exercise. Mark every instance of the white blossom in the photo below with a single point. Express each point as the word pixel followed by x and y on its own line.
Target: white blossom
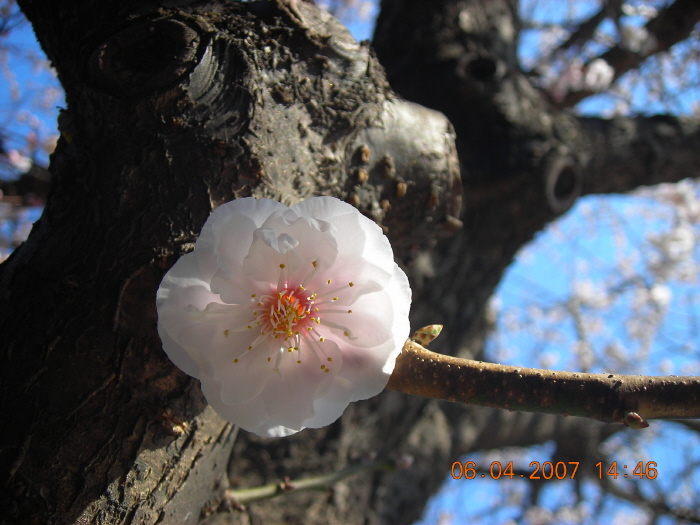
pixel 675 244
pixel 18 161
pixel 599 75
pixel 286 315
pixel 660 295
pixel 591 294
pixel 681 196
pixel 638 40
pixel 571 79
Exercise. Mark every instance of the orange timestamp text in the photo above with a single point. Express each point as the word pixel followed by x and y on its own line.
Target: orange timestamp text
pixel 549 470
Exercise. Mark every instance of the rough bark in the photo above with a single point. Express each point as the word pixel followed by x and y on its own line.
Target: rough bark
pixel 176 107
pixel 170 112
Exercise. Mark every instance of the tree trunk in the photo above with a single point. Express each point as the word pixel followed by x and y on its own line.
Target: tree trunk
pixel 173 109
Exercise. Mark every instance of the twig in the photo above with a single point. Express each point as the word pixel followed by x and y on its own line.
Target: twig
pixel 238 498
pixel 605 397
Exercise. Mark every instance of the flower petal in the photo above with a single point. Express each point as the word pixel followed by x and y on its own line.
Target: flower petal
pixel 182 286
pixel 368 369
pixel 237 288
pixel 361 237
pixel 228 231
pixel 185 360
pixel 330 407
pixel 269 254
pixel 305 382
pixel 248 415
pixel 213 337
pixel 245 379
pixel 323 208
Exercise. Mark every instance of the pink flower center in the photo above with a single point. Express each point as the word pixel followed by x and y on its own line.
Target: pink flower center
pixel 292 314
pixel 287 312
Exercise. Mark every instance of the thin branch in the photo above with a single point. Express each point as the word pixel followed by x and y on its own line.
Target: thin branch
pixel 606 397
pixel 585 31
pixel 656 505
pixel 238 498
pixel 690 425
pixel 673 24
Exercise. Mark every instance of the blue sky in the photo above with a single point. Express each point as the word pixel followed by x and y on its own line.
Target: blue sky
pixel 542 275
pixel 30 95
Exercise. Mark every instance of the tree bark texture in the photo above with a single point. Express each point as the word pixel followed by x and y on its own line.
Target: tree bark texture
pixel 176 107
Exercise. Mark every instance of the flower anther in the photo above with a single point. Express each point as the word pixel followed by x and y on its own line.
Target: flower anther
pixel 286 315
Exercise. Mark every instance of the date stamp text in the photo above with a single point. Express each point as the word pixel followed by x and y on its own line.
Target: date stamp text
pixel 549 470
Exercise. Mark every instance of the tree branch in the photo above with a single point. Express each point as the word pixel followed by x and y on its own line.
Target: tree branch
pixel 604 397
pixel 584 32
pixel 673 24
pixel 626 153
